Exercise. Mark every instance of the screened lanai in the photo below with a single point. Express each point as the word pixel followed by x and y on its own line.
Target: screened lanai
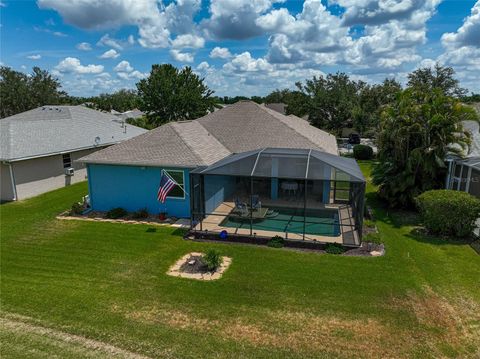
pixel 298 194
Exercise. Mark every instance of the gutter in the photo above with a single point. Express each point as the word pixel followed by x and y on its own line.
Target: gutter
pixel 99 146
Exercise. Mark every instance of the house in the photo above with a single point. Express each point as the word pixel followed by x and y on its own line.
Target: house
pixel 279 107
pixel 464 173
pixel 242 156
pixel 39 148
pixel 135 113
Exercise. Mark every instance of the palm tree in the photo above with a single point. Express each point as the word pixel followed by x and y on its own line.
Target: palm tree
pixel 417 132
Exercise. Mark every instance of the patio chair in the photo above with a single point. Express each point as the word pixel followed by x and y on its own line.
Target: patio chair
pixel 256 204
pixel 241 207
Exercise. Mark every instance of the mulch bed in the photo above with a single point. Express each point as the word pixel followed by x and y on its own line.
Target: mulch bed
pixel 194 264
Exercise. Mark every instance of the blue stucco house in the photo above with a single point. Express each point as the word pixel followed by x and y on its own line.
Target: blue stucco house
pixel 235 139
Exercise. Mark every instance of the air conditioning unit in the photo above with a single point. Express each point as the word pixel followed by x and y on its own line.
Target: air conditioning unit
pixel 69 171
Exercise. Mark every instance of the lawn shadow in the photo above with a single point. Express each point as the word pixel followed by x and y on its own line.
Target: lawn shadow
pixel 397 218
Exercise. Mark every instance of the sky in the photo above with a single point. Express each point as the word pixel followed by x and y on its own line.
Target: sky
pixel 240 47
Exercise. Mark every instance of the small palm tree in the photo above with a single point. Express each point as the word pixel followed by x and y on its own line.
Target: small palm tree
pixel 417 132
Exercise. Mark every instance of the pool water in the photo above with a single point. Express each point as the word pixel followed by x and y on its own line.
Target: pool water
pixel 321 222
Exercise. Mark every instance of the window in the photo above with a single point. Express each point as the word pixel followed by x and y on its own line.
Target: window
pixel 67 160
pixel 177 176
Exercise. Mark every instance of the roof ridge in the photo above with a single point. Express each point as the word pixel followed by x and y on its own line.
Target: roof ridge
pixel 279 116
pixel 197 156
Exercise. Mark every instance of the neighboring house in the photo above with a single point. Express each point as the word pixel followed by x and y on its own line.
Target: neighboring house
pixel 39 148
pixel 464 173
pixel 241 156
pixel 135 113
pixel 279 107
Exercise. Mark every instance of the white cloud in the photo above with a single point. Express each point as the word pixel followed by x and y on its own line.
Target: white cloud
pixel 48 31
pixel 235 19
pixel 181 56
pixel 73 65
pixel 125 71
pixel 123 66
pixel 188 41
pixel 468 34
pixel 376 12
pixel 203 66
pixel 245 63
pixel 34 57
pixel 110 54
pixel 84 46
pixel 220 53
pixel 106 40
pixel 154 21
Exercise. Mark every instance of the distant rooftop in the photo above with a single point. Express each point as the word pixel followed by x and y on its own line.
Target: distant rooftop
pixel 279 107
pixel 49 130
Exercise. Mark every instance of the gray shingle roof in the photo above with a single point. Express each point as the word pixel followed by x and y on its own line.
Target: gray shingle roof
pixel 243 126
pixel 49 130
pixel 246 126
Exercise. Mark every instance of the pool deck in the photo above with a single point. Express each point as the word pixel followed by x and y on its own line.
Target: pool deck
pixel 348 235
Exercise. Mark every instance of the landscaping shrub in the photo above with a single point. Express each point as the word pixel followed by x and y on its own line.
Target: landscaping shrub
pixel 140 214
pixel 115 213
pixel 276 242
pixel 362 152
pixel 212 259
pixel 77 208
pixel 447 212
pixel 334 248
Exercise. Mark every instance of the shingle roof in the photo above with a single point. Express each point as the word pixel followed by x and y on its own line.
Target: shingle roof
pixel 246 126
pixel 49 130
pixel 240 127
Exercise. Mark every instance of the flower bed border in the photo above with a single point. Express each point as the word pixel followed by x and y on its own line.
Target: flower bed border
pixel 65 216
pixel 174 270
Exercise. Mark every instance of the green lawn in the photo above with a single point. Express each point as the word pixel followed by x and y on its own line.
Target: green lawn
pixel 106 282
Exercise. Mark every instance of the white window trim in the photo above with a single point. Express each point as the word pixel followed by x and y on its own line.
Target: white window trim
pixel 183 187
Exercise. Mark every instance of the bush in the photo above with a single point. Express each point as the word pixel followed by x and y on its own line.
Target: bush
pixel 334 248
pixel 140 214
pixel 77 208
pixel 276 242
pixel 362 152
pixel 115 213
pixel 212 259
pixel 447 212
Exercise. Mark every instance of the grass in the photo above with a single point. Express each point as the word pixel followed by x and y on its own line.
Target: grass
pixel 106 282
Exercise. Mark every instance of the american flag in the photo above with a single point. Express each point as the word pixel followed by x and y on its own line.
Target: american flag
pixel 166 185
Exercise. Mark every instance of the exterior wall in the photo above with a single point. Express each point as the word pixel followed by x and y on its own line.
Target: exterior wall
pixel 133 188
pixel 43 174
pixel 7 192
pixel 217 189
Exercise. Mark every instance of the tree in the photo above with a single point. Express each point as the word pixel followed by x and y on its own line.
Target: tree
pixel 169 94
pixel 121 101
pixel 20 92
pixel 329 100
pixel 427 79
pixel 371 100
pixel 277 96
pixel 417 131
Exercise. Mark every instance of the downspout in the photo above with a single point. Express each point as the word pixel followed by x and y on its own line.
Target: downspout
pixel 12 180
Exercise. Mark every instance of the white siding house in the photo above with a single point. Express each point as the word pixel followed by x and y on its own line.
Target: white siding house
pixel 39 148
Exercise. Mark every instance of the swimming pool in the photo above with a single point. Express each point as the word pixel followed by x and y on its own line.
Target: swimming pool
pixel 323 222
